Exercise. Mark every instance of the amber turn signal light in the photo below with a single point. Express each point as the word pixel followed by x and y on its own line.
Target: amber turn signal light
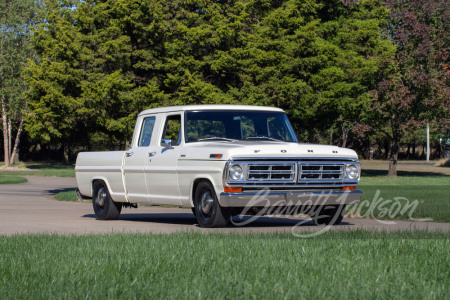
pixel 232 189
pixel 215 156
pixel 349 188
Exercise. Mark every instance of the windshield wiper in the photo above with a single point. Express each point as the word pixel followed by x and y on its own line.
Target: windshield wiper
pixel 216 138
pixel 262 138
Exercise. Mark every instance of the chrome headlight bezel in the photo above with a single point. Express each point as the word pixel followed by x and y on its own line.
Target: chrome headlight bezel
pixel 235 172
pixel 352 171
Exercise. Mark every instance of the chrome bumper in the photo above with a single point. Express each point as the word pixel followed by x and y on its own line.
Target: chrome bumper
pixel 289 198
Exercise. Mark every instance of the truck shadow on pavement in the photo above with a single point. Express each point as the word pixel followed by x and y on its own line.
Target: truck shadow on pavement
pixel 189 219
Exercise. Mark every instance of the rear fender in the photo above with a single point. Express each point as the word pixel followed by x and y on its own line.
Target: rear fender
pixel 108 185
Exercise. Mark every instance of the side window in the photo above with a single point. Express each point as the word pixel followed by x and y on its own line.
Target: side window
pixel 146 132
pixel 172 129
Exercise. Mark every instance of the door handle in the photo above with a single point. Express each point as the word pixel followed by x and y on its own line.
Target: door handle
pixel 129 154
pixel 150 154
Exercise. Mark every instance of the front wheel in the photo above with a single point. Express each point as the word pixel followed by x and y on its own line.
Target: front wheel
pixel 104 207
pixel 208 211
pixel 328 214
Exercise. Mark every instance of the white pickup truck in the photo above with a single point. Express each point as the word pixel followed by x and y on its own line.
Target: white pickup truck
pixel 220 160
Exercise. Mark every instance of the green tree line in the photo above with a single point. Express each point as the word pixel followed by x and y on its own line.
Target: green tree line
pixel 355 73
pixel 16 19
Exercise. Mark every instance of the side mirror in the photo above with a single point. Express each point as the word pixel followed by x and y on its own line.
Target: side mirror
pixel 166 143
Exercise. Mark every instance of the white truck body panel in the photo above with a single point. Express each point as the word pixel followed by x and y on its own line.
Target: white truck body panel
pixel 106 166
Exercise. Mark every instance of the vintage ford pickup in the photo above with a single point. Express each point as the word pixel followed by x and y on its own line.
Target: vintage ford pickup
pixel 220 160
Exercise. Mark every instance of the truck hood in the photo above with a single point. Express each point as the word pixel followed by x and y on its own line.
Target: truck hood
pixel 269 149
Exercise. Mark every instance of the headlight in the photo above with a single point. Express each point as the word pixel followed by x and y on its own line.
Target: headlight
pixel 352 172
pixel 235 172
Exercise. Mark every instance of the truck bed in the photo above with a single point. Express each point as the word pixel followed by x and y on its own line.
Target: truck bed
pixel 104 165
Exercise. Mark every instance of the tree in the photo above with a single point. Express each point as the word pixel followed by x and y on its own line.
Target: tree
pixel 318 60
pixel 395 106
pixel 413 86
pixel 104 61
pixel 15 20
pixel 80 91
pixel 419 84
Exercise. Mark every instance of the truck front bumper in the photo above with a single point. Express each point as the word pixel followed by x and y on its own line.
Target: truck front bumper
pixel 266 198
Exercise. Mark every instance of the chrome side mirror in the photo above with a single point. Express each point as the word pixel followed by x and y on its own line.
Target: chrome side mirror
pixel 166 143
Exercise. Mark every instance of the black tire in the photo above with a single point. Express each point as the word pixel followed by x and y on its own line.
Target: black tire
pixel 104 207
pixel 193 211
pixel 328 214
pixel 208 211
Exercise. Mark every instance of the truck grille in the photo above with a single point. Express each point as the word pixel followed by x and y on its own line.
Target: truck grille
pixel 296 174
pixel 320 172
pixel 269 172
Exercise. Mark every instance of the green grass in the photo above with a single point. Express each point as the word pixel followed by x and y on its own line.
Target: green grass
pixel 44 169
pixel 338 265
pixel 432 194
pixel 405 180
pixel 11 179
pixel 66 196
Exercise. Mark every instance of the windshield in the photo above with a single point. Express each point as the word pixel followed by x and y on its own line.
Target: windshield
pixel 231 125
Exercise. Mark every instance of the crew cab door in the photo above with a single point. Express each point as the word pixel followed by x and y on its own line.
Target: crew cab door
pixel 161 170
pixel 135 162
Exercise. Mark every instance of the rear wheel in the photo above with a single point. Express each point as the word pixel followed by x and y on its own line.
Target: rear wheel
pixel 208 211
pixel 328 214
pixel 104 207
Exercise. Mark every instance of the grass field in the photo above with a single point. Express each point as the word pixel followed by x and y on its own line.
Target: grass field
pixel 66 196
pixel 432 194
pixel 341 264
pixel 11 179
pixel 405 168
pixel 213 266
pixel 43 169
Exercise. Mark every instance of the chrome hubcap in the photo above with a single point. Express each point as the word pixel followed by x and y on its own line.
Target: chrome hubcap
pixel 207 203
pixel 101 196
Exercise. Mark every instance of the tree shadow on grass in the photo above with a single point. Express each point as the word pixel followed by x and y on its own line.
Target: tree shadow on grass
pixel 276 222
pixel 57 191
pixel 49 165
pixel 376 173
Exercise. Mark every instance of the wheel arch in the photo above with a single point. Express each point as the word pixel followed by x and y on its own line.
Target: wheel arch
pixel 195 183
pixel 102 179
pixel 104 206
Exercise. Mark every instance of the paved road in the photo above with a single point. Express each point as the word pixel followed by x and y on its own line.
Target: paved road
pixel 28 208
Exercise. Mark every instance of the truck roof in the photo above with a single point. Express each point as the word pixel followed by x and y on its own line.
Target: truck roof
pixel 209 107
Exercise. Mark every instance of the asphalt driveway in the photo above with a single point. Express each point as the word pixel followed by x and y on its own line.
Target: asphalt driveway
pixel 29 208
